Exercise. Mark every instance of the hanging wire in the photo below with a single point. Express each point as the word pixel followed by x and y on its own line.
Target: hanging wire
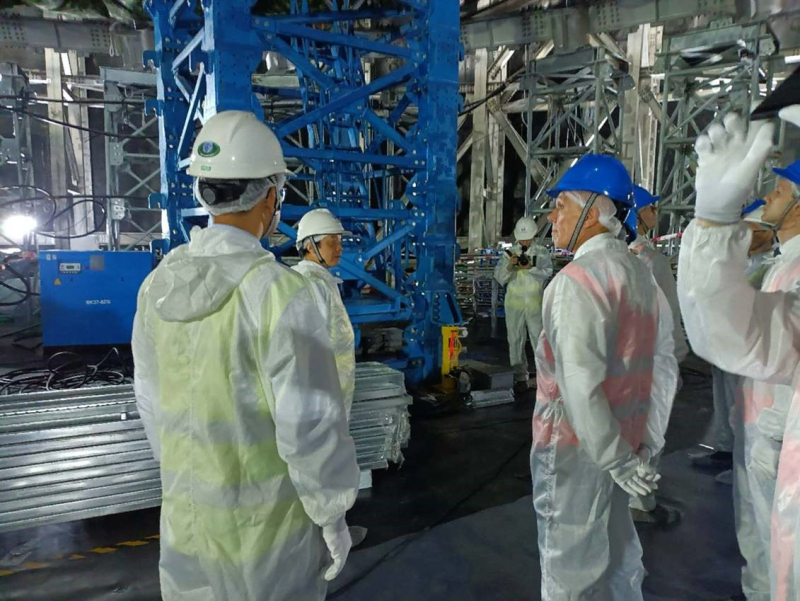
pixel 99 132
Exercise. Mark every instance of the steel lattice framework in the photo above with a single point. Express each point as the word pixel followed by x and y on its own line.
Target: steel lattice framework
pixel 706 75
pixel 368 127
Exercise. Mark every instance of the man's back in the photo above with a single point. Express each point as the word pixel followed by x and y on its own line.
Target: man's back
pixel 661 268
pixel 239 394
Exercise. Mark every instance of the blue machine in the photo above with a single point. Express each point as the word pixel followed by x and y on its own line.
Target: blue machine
pixel 89 297
pixel 389 175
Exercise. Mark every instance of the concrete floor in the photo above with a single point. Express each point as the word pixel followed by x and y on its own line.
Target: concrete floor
pixel 456 465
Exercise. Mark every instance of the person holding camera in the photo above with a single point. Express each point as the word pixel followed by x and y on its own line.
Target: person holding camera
pixel 524 269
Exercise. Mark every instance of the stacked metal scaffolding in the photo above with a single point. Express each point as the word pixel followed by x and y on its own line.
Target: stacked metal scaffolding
pixel 582 93
pixel 478 291
pixel 371 126
pixel 82 453
pixel 72 455
pixel 379 421
pixel 706 74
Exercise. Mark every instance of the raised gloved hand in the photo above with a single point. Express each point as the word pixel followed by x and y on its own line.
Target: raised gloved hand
pixel 764 456
pixel 337 538
pixel 637 478
pixel 729 159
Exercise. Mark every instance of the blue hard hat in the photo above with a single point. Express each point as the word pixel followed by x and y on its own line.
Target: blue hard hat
pixel 790 172
pixel 599 174
pixel 643 198
pixel 756 204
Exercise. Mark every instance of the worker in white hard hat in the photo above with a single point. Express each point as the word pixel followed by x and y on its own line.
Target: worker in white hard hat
pixel 238 391
pixel 524 270
pixel 319 242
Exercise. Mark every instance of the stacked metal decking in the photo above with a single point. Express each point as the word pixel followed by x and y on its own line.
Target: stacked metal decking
pixel 73 454
pixel 82 453
pixel 379 421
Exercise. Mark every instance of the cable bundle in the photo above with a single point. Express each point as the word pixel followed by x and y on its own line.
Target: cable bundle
pixel 67 370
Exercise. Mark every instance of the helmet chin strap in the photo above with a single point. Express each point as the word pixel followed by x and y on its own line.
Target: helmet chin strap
pixel 319 255
pixel 777 225
pixel 581 220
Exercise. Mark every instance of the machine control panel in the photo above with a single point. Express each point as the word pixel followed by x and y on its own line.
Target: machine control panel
pixel 69 268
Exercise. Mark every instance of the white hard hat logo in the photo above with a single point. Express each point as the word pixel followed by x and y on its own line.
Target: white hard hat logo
pixel 208 149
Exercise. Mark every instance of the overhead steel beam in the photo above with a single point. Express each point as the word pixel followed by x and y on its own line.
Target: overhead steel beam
pixel 541 26
pixel 81 36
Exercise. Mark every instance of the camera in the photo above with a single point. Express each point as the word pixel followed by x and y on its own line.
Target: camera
pixel 522 257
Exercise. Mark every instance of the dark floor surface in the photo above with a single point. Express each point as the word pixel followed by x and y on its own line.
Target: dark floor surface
pixel 456 465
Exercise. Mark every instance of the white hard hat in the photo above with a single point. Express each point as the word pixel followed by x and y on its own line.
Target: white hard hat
pixel 319 222
pixel 525 229
pixel 236 145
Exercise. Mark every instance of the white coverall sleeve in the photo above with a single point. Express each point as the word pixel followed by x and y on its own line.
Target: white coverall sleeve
pixel 665 379
pixel 145 373
pixel 501 272
pixel 576 331
pixel 543 267
pixel 308 409
pixel 662 271
pixel 729 323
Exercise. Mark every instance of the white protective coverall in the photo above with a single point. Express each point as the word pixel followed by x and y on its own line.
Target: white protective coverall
pixel 326 289
pixel 606 380
pixel 727 387
pixel 239 394
pixel 755 334
pixel 523 302
pixel 759 420
pixel 662 272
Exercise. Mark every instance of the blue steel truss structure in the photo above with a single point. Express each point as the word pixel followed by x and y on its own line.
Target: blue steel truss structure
pixel 370 133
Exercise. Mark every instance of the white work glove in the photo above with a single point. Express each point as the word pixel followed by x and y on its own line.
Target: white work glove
pixel 636 478
pixel 764 456
pixel 728 162
pixel 337 538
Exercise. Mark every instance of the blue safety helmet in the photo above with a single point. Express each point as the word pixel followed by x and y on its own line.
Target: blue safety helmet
pixel 790 172
pixel 599 174
pixel 753 206
pixel 641 198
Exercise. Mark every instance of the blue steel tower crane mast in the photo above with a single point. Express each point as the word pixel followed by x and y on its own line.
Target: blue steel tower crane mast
pixel 378 145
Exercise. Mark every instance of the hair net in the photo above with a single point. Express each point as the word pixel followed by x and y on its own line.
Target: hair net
pixel 256 190
pixel 607 210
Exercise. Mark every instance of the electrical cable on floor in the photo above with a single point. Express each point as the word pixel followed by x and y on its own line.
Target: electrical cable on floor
pixel 65 371
pixel 415 537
